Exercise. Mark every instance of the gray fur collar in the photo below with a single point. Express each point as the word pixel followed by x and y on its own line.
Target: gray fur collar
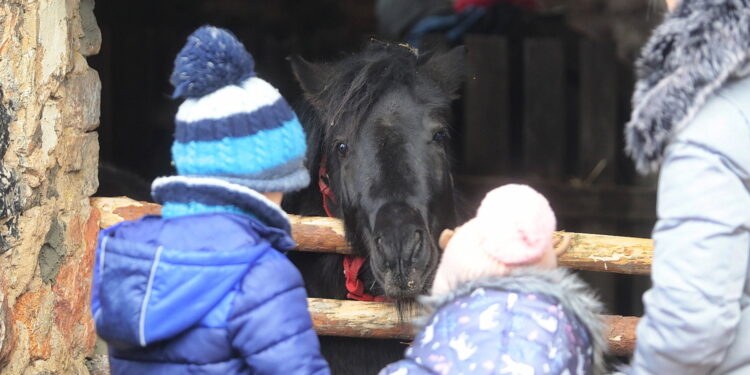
pixel 573 293
pixel 699 47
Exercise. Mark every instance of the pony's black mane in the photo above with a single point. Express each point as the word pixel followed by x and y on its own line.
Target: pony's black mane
pixel 364 78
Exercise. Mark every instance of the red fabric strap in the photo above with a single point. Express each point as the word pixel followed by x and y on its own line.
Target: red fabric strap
pixel 352 264
pixel 324 188
pixel 354 286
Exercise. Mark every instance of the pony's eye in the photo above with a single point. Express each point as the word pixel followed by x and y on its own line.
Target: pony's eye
pixel 440 137
pixel 342 148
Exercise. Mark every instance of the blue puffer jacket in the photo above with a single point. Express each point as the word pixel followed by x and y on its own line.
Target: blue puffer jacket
pixel 204 293
pixel 533 322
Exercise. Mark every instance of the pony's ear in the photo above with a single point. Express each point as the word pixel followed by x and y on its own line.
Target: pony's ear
pixel 447 69
pixel 312 77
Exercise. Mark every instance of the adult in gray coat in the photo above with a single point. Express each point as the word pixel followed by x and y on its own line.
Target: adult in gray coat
pixel 692 116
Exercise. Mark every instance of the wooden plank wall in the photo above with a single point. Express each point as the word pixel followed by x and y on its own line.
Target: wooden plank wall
pixel 570 127
pixel 487 107
pixel 597 138
pixel 546 110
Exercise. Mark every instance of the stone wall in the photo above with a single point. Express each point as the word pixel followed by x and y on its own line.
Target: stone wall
pixel 49 109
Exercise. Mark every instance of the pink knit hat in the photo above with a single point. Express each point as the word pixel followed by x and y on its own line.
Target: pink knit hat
pixel 513 226
pixel 516 223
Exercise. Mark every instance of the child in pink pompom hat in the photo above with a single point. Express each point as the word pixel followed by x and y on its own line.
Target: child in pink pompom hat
pixel 513 227
pixel 499 303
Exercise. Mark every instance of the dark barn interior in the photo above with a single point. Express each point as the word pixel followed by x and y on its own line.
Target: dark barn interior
pixel 544 103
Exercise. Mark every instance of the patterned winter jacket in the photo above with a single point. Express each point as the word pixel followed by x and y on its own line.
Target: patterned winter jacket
pixel 204 292
pixel 532 322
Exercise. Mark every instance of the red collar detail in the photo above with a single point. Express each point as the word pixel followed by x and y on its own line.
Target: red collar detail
pixel 354 286
pixel 352 264
pixel 323 186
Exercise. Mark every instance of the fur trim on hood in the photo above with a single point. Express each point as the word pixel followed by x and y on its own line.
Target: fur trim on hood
pixel 567 288
pixel 700 46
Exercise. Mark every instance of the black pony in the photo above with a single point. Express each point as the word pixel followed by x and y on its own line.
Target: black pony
pixel 378 128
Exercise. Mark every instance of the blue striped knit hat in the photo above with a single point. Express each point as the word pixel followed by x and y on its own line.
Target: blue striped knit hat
pixel 232 124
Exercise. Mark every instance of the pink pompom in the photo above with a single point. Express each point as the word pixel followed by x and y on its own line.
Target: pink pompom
pixel 516 224
pixel 513 227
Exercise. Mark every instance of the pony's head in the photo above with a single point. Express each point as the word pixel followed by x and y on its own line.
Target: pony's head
pixel 382 135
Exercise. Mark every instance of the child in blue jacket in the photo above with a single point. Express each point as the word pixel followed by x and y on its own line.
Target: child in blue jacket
pixel 204 288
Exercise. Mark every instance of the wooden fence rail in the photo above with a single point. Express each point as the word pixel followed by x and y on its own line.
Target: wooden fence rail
pixel 591 252
pixel 379 319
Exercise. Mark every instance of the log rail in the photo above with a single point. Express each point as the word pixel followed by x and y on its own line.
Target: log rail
pixel 590 252
pixel 379 320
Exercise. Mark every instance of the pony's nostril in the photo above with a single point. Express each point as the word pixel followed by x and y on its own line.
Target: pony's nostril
pixel 379 243
pixel 416 241
pixel 416 246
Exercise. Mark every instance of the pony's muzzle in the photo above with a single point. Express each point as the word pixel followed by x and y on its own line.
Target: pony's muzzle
pixel 403 250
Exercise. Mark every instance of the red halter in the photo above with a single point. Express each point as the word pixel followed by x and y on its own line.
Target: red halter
pixel 352 264
pixel 325 190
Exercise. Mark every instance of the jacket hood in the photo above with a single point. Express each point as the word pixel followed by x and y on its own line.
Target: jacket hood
pixel 154 278
pixel 699 47
pixel 190 195
pixel 562 285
